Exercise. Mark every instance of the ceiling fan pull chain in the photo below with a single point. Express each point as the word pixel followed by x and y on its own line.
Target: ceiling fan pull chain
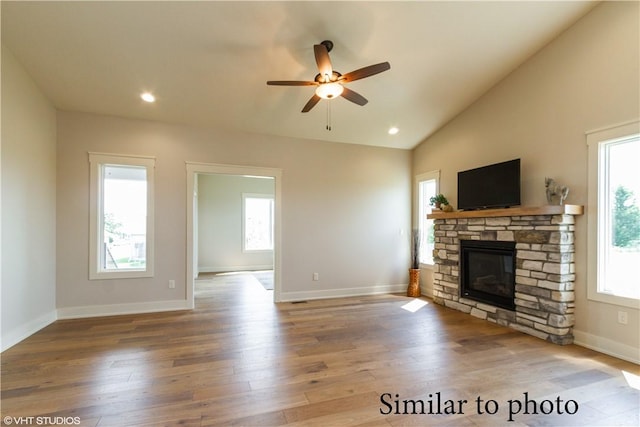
pixel 329 116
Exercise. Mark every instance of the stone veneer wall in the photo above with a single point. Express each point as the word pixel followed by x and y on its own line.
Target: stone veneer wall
pixel 545 271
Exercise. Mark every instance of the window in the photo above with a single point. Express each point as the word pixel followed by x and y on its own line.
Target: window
pixel 257 222
pixel 427 187
pixel 121 223
pixel 614 215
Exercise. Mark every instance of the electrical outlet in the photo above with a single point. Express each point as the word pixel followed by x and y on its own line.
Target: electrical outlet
pixel 172 284
pixel 622 317
pixel 316 277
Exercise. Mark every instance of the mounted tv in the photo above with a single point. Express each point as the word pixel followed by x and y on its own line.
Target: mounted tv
pixel 492 186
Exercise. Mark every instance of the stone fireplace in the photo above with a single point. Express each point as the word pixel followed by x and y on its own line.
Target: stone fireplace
pixel 544 271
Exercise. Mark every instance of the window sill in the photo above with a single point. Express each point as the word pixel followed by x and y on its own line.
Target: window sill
pixel 127 274
pixel 613 300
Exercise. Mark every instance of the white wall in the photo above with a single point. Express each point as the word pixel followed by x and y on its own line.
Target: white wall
pixel 28 205
pixel 586 79
pixel 220 223
pixel 343 209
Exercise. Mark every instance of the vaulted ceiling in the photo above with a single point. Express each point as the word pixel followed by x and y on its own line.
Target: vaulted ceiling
pixel 207 62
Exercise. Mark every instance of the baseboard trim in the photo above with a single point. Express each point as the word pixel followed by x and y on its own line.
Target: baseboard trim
pixel 26 330
pixel 120 309
pixel 607 346
pixel 226 269
pixel 340 293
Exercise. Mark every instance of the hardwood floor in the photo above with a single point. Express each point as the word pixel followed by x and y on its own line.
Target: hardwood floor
pixel 238 359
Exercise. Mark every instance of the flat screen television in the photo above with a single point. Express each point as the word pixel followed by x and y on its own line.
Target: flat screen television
pixel 492 186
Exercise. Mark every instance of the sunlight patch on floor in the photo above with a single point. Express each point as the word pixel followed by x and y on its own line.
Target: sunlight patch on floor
pixel 415 305
pixel 632 379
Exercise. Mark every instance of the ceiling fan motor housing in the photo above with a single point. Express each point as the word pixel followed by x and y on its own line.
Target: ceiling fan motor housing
pixel 334 77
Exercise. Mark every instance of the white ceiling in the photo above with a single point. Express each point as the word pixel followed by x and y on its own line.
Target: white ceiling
pixel 208 62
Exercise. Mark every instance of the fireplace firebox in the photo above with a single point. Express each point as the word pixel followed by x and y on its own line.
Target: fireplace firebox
pixel 487 272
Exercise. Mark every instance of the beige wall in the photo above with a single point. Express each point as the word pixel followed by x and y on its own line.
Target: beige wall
pixel 28 205
pixel 343 209
pixel 586 79
pixel 220 221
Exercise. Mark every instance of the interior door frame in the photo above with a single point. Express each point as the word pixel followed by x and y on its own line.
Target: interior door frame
pixel 195 168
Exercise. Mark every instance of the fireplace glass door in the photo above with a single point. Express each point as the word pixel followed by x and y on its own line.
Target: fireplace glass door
pixel 487 272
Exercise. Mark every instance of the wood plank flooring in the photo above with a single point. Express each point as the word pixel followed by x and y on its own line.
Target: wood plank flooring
pixel 240 360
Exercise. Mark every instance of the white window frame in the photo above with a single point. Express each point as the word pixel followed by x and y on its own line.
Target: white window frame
pixel 422 207
pixel 596 140
pixel 96 162
pixel 246 196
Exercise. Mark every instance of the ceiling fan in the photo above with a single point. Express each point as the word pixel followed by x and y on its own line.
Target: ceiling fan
pixel 330 83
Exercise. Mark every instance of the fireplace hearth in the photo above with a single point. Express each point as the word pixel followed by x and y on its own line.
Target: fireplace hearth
pixel 487 272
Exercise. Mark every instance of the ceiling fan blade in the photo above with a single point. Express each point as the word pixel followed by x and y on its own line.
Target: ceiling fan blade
pixel 322 60
pixel 365 72
pixel 291 83
pixel 311 103
pixel 353 96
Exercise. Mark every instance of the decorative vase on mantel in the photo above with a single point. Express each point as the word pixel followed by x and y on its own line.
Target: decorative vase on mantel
pixel 414 283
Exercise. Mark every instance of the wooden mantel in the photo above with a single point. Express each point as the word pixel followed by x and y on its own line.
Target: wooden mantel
pixel 514 211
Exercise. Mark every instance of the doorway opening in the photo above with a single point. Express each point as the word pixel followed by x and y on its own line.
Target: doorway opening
pixel 237 210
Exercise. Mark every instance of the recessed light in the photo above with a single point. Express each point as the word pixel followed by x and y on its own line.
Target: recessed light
pixel 148 97
pixel 393 130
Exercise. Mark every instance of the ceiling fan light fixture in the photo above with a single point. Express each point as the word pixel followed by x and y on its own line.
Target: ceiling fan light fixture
pixel 329 90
